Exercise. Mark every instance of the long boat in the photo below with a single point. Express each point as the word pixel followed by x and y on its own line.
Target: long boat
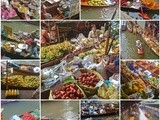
pixel 124 8
pixel 157 53
pixel 85 4
pixel 15 39
pixel 3 37
pixel 140 51
pixel 100 115
pixel 26 72
pixel 28 112
pixel 129 27
pixel 109 112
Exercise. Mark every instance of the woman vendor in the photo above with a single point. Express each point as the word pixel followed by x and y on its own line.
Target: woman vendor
pixel 45 39
pixel 111 67
pixel 93 33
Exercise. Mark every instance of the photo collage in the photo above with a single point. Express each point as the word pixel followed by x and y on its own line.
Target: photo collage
pixel 80 59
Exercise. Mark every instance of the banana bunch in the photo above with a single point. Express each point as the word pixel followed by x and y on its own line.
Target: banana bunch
pixel 31 81
pixel 56 51
pixel 20 81
pixel 14 80
pixel 97 2
pixel 11 92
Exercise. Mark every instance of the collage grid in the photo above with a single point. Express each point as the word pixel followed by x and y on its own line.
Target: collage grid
pixel 67 108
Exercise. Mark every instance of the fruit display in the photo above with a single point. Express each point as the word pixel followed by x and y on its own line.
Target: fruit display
pixel 14 80
pixel 12 93
pixel 53 52
pixel 88 79
pixel 21 81
pixel 153 81
pixel 68 91
pixel 31 81
pixel 97 2
pixel 7 47
pixel 93 51
pixel 108 92
pixel 133 87
pixel 126 74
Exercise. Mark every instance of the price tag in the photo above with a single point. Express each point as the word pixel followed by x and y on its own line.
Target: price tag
pixel 100 83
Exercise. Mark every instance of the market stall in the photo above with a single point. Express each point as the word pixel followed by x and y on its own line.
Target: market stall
pixel 20 9
pixel 139 110
pixel 18 43
pixel 20 80
pixel 139 79
pixel 99 110
pixel 60 9
pixel 73 68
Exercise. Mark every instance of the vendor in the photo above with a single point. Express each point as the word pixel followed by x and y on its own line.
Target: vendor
pixel 33 50
pixel 44 14
pixel 93 33
pixel 111 67
pixel 45 39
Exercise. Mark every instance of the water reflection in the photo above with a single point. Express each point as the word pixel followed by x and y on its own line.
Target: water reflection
pixel 61 110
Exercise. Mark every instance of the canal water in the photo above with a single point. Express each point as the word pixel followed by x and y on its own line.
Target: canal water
pixel 129 50
pixel 99 13
pixel 18 108
pixel 20 26
pixel 61 110
pixel 151 14
pixel 143 117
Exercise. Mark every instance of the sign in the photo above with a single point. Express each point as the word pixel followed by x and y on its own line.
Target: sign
pixel 8 30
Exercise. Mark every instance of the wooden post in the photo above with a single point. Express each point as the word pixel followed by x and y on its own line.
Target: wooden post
pixel 58 37
pixel 107 41
pixel 7 87
pixel 111 44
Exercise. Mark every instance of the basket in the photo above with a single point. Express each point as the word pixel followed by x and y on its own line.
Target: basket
pixel 88 90
pixel 51 96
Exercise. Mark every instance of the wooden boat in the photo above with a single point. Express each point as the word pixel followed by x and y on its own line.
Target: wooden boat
pixel 85 4
pixel 28 112
pixel 123 27
pixel 26 72
pixel 140 51
pixel 100 115
pixel 147 115
pixel 124 8
pixel 3 37
pixel 129 27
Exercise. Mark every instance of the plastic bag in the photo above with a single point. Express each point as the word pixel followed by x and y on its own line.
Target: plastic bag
pixel 81 36
pixel 88 58
pixel 100 67
pixel 88 62
pixel 76 60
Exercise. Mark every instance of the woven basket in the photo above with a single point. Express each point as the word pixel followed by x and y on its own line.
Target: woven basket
pixel 59 87
pixel 87 90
